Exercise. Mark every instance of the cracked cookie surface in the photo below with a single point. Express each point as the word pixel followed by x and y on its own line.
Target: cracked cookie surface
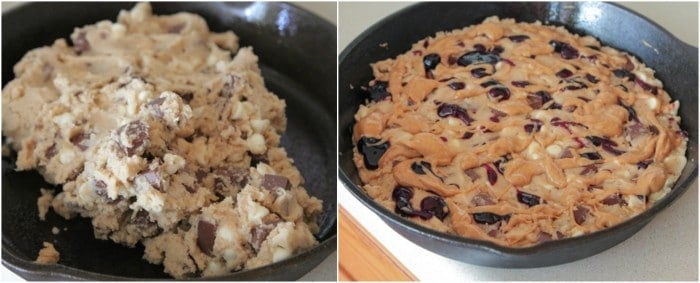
pixel 517 133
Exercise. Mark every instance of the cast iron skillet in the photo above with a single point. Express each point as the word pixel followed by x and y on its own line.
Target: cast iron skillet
pixel 297 53
pixel 676 64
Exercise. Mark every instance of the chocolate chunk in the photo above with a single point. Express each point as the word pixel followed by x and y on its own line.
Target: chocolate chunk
pixel 190 189
pixel 200 174
pixel 133 137
pixel 81 44
pixel 153 178
pixel 141 219
pixel 613 199
pixel 255 159
pixel 74 174
pixel 206 235
pixel 51 151
pixel 473 175
pixel 538 99
pixel 543 237
pixel 236 176
pixel 274 181
pixel 258 234
pixel 186 96
pixel 482 199
pixel 79 140
pixel 100 188
pixel 580 214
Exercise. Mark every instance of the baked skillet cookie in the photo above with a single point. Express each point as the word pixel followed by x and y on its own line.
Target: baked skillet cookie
pixel 517 133
pixel 162 136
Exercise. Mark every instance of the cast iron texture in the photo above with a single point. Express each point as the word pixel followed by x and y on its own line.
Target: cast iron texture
pixel 296 49
pixel 676 65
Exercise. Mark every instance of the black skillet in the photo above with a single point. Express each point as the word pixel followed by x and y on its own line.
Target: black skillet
pixel 676 65
pixel 297 53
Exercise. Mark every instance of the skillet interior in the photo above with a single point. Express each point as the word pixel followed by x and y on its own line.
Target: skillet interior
pixel 284 36
pixel 611 24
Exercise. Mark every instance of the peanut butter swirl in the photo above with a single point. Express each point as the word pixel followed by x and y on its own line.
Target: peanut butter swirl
pixel 517 133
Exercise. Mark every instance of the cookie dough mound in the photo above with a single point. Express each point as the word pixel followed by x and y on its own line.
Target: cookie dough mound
pixel 163 133
pixel 48 254
pixel 517 133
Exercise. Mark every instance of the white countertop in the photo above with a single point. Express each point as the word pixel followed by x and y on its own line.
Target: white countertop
pixel 666 249
pixel 327 270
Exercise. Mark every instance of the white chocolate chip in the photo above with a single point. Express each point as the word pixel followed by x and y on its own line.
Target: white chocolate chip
pixel 66 156
pixel 237 111
pixel 64 120
pixel 554 150
pixel 256 144
pixel 257 212
pixel 259 125
pixel 225 233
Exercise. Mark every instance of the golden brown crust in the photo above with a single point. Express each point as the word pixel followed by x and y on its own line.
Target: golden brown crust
pixel 540 135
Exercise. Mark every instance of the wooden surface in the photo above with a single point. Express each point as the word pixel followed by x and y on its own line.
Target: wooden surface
pixel 362 257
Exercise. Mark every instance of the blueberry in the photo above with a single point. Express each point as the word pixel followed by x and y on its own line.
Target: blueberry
pixel 477 57
pixel 499 93
pixel 487 218
pixel 564 73
pixel 456 85
pixel 452 110
pixel 431 61
pixel 479 73
pixel 528 199
pixel 378 91
pixel 518 38
pixel 564 49
pixel 434 205
pixel 372 150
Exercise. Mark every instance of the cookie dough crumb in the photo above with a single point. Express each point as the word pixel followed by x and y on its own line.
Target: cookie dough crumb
pixel 44 202
pixel 55 230
pixel 48 255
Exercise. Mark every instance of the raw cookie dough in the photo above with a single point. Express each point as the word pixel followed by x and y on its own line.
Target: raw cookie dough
pixel 163 133
pixel 517 133
pixel 43 203
pixel 48 254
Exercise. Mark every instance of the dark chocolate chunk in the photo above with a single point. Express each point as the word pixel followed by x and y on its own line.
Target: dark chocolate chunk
pixel 141 219
pixel 200 174
pixel 613 200
pixel 153 178
pixel 79 139
pixel 51 151
pixel 258 234
pixel 275 181
pixel 580 214
pixel 236 176
pixel 206 235
pixel 133 137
